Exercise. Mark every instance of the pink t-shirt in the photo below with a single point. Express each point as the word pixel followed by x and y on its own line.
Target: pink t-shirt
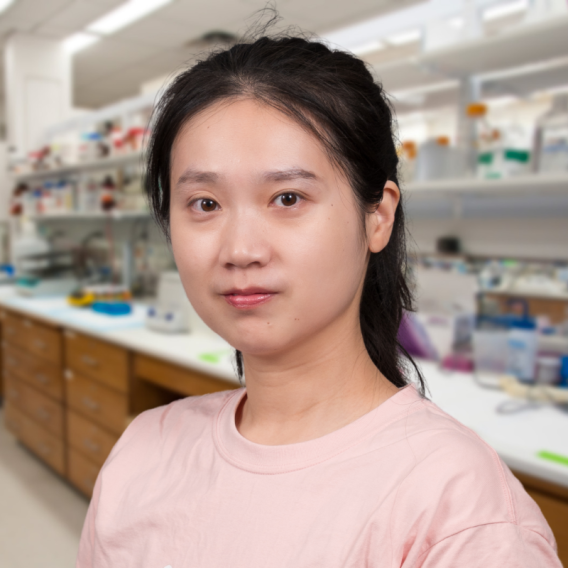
pixel 405 485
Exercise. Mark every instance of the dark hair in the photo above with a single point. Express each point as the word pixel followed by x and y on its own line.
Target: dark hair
pixel 332 94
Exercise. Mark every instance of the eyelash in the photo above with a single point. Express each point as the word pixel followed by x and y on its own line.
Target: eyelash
pixel 298 197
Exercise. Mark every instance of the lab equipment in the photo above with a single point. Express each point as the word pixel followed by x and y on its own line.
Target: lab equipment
pixel 522 347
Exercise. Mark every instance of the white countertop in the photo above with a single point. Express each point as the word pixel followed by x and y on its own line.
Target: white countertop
pixel 209 354
pixel 518 437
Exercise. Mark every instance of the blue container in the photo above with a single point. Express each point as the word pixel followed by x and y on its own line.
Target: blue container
pixel 564 372
pixel 112 308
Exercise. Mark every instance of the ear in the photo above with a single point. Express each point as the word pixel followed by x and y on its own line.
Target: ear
pixel 379 222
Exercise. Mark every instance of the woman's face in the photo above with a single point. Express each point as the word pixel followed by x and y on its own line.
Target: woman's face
pixel 265 231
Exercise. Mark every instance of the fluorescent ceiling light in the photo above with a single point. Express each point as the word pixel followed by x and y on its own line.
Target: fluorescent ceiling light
pixel 457 23
pixel 79 41
pixel 368 47
pixel 402 38
pixel 125 15
pixel 5 4
pixel 505 9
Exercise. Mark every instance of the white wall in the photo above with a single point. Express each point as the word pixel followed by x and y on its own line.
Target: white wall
pixel 517 238
pixel 38 89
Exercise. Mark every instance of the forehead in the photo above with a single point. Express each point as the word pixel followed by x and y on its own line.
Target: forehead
pixel 238 130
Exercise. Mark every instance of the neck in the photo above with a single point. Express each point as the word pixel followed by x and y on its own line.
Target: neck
pixel 313 389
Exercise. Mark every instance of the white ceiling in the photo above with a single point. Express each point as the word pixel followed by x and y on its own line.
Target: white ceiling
pixel 116 66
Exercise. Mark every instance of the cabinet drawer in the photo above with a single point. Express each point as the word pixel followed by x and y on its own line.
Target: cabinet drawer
pixel 15 361
pixel 82 472
pixel 15 391
pixel 97 360
pixel 45 445
pixel 41 340
pixel 96 402
pixel 88 438
pixel 46 412
pixel 178 379
pixel 14 419
pixel 12 329
pixel 37 372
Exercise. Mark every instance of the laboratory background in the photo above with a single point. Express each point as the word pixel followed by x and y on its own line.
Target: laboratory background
pixel 95 327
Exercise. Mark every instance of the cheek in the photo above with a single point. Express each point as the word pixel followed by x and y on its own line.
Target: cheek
pixel 192 257
pixel 329 263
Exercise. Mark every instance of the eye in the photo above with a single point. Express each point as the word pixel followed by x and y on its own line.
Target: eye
pixel 206 205
pixel 287 199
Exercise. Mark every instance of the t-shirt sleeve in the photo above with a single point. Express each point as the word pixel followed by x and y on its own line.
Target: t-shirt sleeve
pixel 493 545
pixel 461 506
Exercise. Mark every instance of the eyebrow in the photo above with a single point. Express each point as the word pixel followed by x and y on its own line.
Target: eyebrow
pixel 195 176
pixel 288 175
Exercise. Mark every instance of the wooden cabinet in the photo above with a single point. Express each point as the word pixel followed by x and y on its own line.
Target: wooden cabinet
pixel 89 439
pixel 102 405
pixel 70 396
pixel 31 368
pixel 44 444
pixel 177 379
pixel 97 360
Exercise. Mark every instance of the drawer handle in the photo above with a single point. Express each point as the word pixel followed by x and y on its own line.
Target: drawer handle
pixel 10 331
pixel 41 378
pixel 43 414
pixel 91 446
pixel 69 374
pixel 40 344
pixel 90 403
pixel 43 449
pixel 90 361
pixel 70 334
pixel 11 362
pixel 28 323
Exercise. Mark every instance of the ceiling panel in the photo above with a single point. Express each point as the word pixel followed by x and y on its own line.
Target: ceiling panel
pixel 78 15
pixel 161 32
pixel 107 56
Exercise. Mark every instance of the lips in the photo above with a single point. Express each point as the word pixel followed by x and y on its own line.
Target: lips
pixel 248 297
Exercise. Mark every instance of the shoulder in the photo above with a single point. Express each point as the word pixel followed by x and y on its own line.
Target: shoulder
pixel 458 481
pixel 189 417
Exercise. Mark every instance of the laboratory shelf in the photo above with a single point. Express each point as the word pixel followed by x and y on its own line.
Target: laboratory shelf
pixel 535 195
pixel 527 184
pixel 76 215
pixel 100 164
pixel 520 46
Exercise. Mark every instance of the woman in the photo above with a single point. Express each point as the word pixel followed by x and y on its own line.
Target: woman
pixel 272 169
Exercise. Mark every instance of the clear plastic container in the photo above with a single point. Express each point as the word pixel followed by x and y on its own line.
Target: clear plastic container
pixel 490 350
pixel 551 138
pixel 522 348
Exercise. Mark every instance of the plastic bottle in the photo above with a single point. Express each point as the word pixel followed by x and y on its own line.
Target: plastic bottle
pixel 522 348
pixel 480 152
pixel 551 138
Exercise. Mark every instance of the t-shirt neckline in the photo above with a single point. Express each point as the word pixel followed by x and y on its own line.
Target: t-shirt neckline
pixel 260 458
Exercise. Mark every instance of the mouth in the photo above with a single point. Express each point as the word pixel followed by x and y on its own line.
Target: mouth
pixel 248 297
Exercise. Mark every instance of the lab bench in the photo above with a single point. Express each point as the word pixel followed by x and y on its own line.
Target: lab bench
pixel 74 381
pixel 71 389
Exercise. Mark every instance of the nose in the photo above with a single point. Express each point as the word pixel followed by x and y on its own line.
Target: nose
pixel 244 241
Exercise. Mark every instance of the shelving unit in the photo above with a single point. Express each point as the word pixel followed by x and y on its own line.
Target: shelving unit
pixel 523 45
pixel 544 184
pixel 530 196
pixel 101 164
pixel 115 215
